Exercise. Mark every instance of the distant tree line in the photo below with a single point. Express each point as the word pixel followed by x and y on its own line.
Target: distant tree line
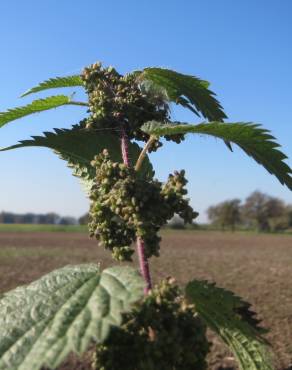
pixel 259 211
pixel 33 218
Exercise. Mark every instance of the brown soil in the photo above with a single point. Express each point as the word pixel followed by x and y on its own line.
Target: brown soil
pixel 257 267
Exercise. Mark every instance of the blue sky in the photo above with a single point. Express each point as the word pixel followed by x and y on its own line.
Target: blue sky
pixel 242 47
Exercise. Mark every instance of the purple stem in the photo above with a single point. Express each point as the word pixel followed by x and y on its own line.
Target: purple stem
pixel 144 265
pixel 125 148
pixel 143 261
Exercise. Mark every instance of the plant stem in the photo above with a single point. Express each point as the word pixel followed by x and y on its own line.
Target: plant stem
pixel 78 103
pixel 144 152
pixel 143 261
pixel 144 265
pixel 125 148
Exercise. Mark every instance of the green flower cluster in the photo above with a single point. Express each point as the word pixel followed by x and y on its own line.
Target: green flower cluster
pixel 117 101
pixel 125 206
pixel 162 332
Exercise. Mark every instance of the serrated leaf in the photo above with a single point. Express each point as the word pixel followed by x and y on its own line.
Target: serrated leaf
pixel 253 139
pixel 79 146
pixel 188 91
pixel 34 107
pixel 53 83
pixel 63 312
pixel 222 312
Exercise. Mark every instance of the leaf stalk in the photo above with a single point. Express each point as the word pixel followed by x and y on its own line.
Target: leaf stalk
pixel 144 152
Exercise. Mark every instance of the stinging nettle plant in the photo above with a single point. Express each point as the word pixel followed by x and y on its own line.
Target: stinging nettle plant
pixel 133 324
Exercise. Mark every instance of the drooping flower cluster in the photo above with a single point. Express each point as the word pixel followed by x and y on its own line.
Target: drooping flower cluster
pixel 161 332
pixel 125 206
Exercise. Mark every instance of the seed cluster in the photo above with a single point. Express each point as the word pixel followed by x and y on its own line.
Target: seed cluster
pixel 124 206
pixel 117 101
pixel 162 332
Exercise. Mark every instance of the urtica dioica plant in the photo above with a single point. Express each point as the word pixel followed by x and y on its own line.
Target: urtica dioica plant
pixel 133 324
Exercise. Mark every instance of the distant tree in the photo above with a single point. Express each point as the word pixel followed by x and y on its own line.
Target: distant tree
pixel 263 210
pixel 49 219
pixel 83 220
pixel 28 218
pixel 7 218
pixel 176 222
pixel 67 220
pixel 282 222
pixel 225 214
pixel 288 212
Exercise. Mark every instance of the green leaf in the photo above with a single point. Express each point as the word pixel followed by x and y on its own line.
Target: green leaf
pixel 254 140
pixel 63 312
pixel 188 91
pixel 225 313
pixel 79 146
pixel 57 82
pixel 35 107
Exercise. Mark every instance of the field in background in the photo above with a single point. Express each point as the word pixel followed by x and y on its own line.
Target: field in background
pixel 257 267
pixel 83 228
pixel 42 228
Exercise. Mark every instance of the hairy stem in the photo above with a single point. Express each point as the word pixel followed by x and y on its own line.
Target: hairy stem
pixel 125 148
pixel 144 152
pixel 144 265
pixel 143 261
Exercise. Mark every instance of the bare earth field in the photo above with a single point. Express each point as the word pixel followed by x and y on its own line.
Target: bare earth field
pixel 257 267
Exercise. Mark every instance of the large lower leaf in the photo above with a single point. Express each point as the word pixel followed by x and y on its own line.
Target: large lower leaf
pixel 189 91
pixel 79 146
pixel 35 107
pixel 231 319
pixel 256 141
pixel 64 311
pixel 53 83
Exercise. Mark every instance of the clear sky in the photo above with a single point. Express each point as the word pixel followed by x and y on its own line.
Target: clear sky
pixel 244 48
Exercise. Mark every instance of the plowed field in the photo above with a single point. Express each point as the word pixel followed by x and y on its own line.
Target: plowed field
pixel 257 267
